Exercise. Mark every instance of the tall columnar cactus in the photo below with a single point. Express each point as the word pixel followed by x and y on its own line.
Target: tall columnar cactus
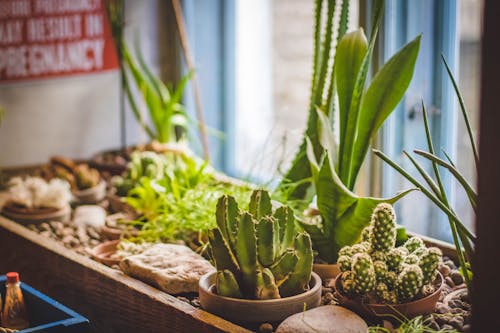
pixel 383 228
pixel 258 253
pixel 389 274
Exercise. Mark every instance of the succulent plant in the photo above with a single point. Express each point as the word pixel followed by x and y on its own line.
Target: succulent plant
pixel 258 253
pixel 86 177
pixel 390 274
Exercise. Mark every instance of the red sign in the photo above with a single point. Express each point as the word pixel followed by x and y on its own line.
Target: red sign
pixel 48 38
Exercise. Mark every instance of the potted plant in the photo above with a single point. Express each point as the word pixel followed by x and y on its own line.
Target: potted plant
pixel 34 200
pixel 263 264
pixel 380 279
pixel 328 162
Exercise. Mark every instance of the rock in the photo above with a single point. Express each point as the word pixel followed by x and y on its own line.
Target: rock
pixel 444 269
pixel 90 215
pixel 173 268
pixel 457 278
pixel 266 328
pixel 450 264
pixel 447 327
pixel 325 319
pixel 466 329
pixel 449 281
pixel 442 308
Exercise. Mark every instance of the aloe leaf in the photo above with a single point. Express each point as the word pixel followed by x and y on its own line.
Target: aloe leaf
pixel 424 175
pixel 227 285
pixel 286 221
pixel 267 246
pixel 351 50
pixel 464 111
pixel 384 93
pixel 266 287
pixel 318 9
pixel 312 158
pixel 260 204
pixel 465 184
pixel 328 140
pixel 298 280
pixel 135 109
pixel 344 214
pixel 246 250
pixel 221 253
pixel 285 264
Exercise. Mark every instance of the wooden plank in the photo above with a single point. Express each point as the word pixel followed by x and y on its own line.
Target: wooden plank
pixel 111 300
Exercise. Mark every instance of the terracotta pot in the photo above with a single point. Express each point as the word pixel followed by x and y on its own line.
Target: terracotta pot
pixel 36 216
pixel 115 168
pixel 326 271
pixel 104 253
pixel 257 311
pixel 391 312
pixel 91 195
pixel 111 232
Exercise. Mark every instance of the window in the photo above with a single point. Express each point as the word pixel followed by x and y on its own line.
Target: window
pixel 255 79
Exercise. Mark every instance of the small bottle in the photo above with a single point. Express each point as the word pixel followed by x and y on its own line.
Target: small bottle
pixel 14 311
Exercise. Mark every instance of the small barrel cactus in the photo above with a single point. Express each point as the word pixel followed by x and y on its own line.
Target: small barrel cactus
pixel 364 273
pixel 381 271
pixel 409 282
pixel 383 228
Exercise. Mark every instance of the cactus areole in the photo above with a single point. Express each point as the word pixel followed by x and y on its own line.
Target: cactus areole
pixel 377 270
pixel 258 253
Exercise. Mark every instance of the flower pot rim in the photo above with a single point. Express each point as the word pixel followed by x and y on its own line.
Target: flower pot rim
pixel 100 186
pixel 204 280
pixel 381 305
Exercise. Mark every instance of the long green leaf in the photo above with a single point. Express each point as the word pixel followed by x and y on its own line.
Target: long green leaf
pixel 351 51
pixel 384 93
pixel 344 214
pixel 351 127
pixel 134 107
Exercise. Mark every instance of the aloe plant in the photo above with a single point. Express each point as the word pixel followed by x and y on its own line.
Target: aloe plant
pixel 463 238
pixel 334 162
pixel 258 253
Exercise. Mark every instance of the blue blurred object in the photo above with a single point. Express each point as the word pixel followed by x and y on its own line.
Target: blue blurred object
pixel 47 315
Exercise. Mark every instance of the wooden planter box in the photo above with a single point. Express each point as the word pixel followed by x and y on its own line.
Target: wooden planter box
pixel 111 300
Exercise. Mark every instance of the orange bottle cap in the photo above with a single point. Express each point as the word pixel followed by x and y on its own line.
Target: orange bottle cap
pixel 12 277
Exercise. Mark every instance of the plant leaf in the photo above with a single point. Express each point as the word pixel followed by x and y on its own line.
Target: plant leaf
pixel 384 93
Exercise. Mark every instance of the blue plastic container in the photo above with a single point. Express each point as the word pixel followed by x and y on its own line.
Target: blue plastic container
pixel 47 315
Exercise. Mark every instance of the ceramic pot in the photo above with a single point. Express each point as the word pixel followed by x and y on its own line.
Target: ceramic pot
pixel 257 311
pixel 326 271
pixel 105 253
pixel 36 216
pixel 91 195
pixel 391 312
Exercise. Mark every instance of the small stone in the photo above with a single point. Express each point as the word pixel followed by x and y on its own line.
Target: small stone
pixel 467 317
pixel 196 303
pixel 465 297
pixel 184 299
pixel 455 303
pixel 33 227
pixel 325 319
pixel 266 328
pixel 442 308
pixel 447 327
pixel 444 269
pixel 466 329
pixel 457 322
pixel 450 264
pixel 46 233
pixel 457 278
pixel 449 281
pixel 45 227
pixel 328 297
pixel 457 311
pixel 325 290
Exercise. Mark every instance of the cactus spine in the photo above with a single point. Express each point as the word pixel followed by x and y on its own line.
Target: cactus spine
pixel 258 253
pixel 387 273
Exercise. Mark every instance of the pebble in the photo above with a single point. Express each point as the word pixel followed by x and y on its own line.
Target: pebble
pixel 328 297
pixel 457 278
pixel 450 264
pixel 445 270
pixel 457 322
pixel 465 297
pixel 449 281
pixel 447 327
pixel 196 303
pixel 442 308
pixel 466 329
pixel 266 328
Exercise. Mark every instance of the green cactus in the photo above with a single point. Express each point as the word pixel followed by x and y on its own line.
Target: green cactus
pixel 365 234
pixel 86 177
pixel 383 227
pixel 395 258
pixel 364 273
pixel 378 255
pixel 344 263
pixel 258 253
pixel 347 280
pixel 409 282
pixel 414 243
pixel 411 259
pixel 391 279
pixel 346 251
pixel 429 262
pixel 380 268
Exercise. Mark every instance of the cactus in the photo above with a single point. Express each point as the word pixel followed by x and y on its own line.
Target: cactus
pixel 86 177
pixel 383 227
pixel 414 243
pixel 409 282
pixel 429 262
pixel 364 273
pixel 258 253
pixel 377 269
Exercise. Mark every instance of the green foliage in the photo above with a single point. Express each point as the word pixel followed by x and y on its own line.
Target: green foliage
pixel 463 239
pixel 375 268
pixel 165 110
pixel 414 325
pixel 176 196
pixel 258 253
